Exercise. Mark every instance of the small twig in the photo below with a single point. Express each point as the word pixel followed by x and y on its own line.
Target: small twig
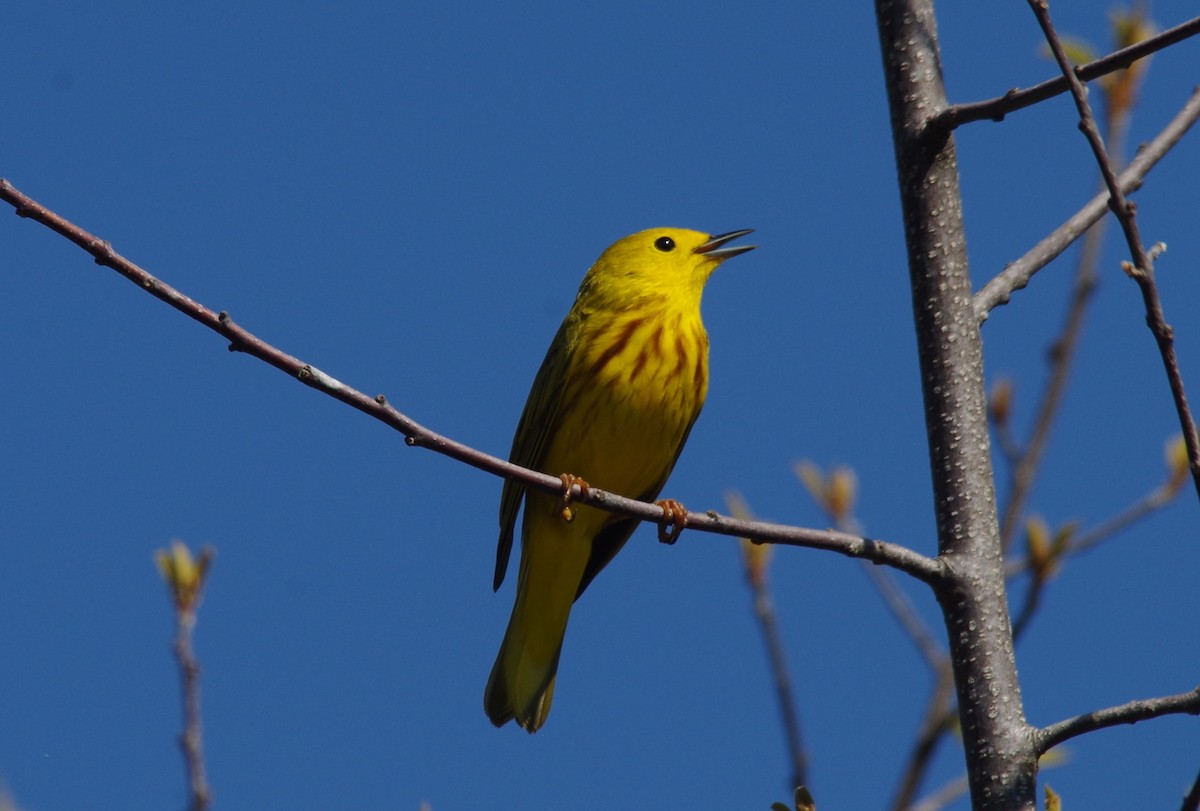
pixel 945 795
pixel 1062 353
pixel 835 493
pixel 764 611
pixel 191 740
pixel 1154 500
pixel 185 579
pixel 1142 268
pixel 1184 703
pixel 1017 274
pixel 1024 465
pixel 920 566
pixel 937 721
pixel 1086 541
pixel 995 109
pixel 1033 599
pixel 756 560
pixel 910 621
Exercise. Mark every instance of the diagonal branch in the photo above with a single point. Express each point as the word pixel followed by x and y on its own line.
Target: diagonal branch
pixel 1017 274
pixel 913 563
pixel 995 109
pixel 1142 710
pixel 936 722
pixel 1142 268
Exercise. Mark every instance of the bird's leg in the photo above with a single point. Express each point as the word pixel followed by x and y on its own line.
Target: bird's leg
pixel 673 521
pixel 569 480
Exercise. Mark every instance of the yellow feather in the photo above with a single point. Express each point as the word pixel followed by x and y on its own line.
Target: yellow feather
pixel 613 403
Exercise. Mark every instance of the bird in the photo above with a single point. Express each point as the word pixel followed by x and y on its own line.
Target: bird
pixel 611 407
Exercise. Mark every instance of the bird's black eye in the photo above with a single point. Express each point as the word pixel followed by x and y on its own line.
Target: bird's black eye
pixel 665 244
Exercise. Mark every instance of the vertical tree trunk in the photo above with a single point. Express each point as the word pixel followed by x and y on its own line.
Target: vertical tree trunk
pixel 1001 759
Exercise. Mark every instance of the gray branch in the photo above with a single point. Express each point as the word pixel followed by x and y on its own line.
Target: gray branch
pixel 1001 758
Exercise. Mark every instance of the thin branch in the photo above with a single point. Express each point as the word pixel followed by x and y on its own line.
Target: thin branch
pixel 756 559
pixel 936 723
pixel 995 109
pixel 945 795
pixel 1024 465
pixel 191 740
pixel 764 611
pixel 1143 710
pixel 910 621
pixel 1154 500
pixel 1033 600
pixel 1142 268
pixel 1016 275
pixel 185 577
pixel 1062 353
pixel 906 560
pixel 835 493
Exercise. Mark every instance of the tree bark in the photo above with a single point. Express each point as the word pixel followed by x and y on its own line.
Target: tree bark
pixel 999 745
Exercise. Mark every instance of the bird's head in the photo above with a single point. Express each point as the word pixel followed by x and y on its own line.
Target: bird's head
pixel 670 262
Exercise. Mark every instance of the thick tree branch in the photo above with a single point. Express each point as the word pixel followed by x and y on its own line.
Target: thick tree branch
pixel 241 340
pixel 1184 703
pixel 995 109
pixel 1142 268
pixel 1001 761
pixel 1017 274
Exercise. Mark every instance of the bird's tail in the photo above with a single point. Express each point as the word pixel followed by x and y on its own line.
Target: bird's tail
pixel 521 685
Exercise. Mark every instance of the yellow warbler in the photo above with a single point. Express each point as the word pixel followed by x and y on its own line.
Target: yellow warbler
pixel 613 402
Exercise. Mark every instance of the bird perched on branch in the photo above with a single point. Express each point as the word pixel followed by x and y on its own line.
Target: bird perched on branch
pixel 611 406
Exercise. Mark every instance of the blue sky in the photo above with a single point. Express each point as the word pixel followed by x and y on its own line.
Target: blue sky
pixel 406 195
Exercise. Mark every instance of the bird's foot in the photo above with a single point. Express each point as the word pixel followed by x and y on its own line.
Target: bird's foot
pixel 673 521
pixel 569 480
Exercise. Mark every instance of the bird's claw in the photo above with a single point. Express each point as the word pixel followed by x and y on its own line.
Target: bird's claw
pixel 673 521
pixel 569 480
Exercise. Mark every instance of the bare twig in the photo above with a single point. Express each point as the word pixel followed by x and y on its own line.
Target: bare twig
pixel 191 740
pixel 1184 703
pixel 1016 275
pixel 910 621
pixel 937 721
pixel 1062 353
pixel 757 560
pixel 1141 270
pixel 995 109
pixel 1024 465
pixel 1085 541
pixel 836 493
pixel 185 578
pixel 765 612
pixel 1030 605
pixel 1154 500
pixel 945 795
pixel 241 340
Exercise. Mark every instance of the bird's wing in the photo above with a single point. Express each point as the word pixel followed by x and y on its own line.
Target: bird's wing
pixel 538 423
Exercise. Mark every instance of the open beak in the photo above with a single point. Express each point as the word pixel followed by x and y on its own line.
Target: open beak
pixel 714 246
